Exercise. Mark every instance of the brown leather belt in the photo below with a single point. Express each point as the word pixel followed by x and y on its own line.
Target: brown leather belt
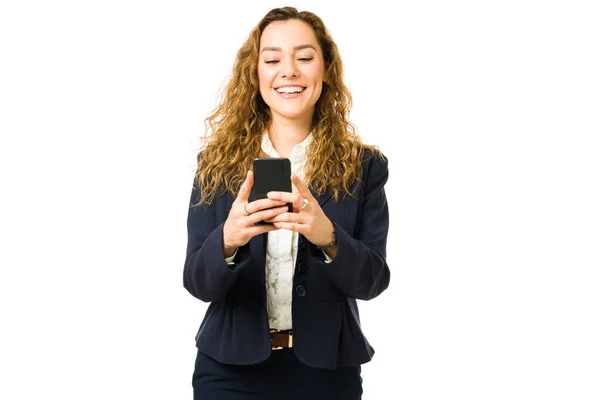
pixel 281 339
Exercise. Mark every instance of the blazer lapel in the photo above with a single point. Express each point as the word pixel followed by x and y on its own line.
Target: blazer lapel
pixel 258 248
pixel 324 198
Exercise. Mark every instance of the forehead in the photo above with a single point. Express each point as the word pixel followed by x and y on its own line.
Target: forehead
pixel 288 34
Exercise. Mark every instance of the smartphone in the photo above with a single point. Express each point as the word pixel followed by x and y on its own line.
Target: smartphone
pixel 272 175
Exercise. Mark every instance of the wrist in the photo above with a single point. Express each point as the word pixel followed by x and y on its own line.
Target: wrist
pixel 229 251
pixel 332 242
pixel 228 248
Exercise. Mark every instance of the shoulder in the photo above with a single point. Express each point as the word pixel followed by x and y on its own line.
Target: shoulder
pixel 374 162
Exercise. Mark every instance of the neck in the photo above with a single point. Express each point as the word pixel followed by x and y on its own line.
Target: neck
pixel 285 134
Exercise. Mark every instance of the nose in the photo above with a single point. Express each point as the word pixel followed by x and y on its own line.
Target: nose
pixel 288 68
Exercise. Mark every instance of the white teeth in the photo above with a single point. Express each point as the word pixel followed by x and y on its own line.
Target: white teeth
pixel 290 89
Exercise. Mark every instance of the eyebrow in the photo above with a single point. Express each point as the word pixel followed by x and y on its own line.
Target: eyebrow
pixel 302 46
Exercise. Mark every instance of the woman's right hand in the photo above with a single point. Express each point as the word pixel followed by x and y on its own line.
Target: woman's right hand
pixel 240 227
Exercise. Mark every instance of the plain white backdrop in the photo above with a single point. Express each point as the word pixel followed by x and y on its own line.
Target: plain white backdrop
pixel 487 111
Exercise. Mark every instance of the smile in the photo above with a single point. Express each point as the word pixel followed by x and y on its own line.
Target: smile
pixel 290 89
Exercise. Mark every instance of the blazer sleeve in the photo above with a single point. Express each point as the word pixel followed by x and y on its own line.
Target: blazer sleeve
pixel 206 274
pixel 360 268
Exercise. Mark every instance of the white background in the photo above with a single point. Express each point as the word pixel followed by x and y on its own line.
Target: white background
pixel 488 112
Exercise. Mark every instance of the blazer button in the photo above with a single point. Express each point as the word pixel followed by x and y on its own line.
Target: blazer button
pixel 301 290
pixel 301 267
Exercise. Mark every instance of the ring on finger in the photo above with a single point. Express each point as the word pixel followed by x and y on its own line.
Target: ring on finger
pixel 304 204
pixel 246 213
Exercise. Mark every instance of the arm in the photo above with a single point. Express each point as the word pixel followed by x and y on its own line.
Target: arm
pixel 206 274
pixel 359 266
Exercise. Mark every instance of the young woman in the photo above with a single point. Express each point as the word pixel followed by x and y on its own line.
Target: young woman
pixel 283 321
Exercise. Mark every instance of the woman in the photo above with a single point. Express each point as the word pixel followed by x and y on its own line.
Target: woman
pixel 283 319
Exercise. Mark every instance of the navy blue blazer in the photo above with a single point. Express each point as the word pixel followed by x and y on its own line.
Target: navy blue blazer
pixel 325 318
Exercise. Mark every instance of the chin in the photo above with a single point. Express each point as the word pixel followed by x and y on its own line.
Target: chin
pixel 292 113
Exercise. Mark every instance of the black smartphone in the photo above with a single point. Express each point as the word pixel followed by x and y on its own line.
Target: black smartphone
pixel 272 175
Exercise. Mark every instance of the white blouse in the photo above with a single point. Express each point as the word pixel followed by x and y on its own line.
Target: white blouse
pixel 282 248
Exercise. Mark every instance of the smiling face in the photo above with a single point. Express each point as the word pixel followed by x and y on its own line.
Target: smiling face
pixel 291 69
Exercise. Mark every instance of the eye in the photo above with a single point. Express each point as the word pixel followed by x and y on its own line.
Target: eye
pixel 271 61
pixel 306 59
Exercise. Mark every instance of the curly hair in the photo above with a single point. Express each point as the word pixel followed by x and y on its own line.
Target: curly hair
pixel 235 127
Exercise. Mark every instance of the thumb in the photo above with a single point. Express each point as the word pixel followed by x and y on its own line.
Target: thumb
pixel 244 192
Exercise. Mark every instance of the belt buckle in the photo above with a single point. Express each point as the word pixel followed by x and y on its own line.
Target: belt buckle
pixel 290 341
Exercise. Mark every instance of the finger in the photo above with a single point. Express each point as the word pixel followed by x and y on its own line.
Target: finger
pixel 303 190
pixel 295 199
pixel 289 217
pixel 281 217
pixel 263 204
pixel 303 203
pixel 291 226
pixel 244 192
pixel 267 214
pixel 284 196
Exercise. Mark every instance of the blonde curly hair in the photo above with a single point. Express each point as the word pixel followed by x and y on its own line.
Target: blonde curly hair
pixel 235 127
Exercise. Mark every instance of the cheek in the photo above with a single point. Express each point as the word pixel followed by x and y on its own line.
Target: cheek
pixel 318 93
pixel 318 87
pixel 264 77
pixel 263 84
pixel 318 74
pixel 261 78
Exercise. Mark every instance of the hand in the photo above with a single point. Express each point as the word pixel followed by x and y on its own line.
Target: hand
pixel 309 219
pixel 240 226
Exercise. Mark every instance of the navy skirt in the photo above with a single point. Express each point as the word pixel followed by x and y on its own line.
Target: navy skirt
pixel 280 377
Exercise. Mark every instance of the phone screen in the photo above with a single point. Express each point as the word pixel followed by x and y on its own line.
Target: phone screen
pixel 272 174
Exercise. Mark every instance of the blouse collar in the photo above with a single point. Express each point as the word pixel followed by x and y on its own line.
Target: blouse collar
pixel 299 151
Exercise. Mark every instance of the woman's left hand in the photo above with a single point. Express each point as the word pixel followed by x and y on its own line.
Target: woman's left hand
pixel 308 218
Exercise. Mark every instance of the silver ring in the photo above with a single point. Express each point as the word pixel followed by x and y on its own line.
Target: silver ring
pixel 303 205
pixel 246 213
